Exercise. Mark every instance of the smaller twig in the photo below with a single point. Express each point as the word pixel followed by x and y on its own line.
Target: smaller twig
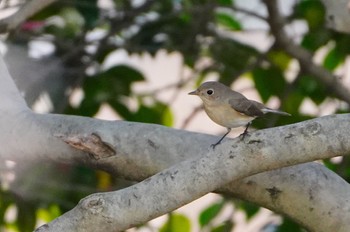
pixel 303 56
pixel 28 10
pixel 191 116
pixel 248 12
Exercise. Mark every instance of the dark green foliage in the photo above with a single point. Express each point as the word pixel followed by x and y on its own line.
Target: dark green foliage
pixel 107 87
pixel 315 39
pixel 224 52
pixel 88 9
pixel 210 213
pixel 289 226
pixel 26 215
pixel 269 82
pixel 176 223
pixel 227 20
pixel 198 30
pixel 312 88
pixel 311 11
pixel 249 208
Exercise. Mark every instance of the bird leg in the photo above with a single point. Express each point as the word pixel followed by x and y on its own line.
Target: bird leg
pixel 245 132
pixel 218 142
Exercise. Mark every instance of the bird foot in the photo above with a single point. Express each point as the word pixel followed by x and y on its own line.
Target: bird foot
pixel 243 135
pixel 214 145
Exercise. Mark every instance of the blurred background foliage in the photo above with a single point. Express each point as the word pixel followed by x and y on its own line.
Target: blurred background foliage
pixel 84 34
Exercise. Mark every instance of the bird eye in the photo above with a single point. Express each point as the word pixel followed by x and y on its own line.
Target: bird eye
pixel 210 92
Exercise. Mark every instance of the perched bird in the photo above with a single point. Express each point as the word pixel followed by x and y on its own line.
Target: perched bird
pixel 229 108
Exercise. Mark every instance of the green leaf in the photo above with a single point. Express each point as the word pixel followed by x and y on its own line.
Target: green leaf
pixel 121 109
pixel 158 113
pixel 231 58
pixel 269 82
pixel 280 59
pixel 51 10
pixel 310 87
pixel 98 90
pixel 210 213
pixel 289 226
pixel 88 107
pixel 107 87
pixel 148 115
pixel 333 59
pixel 48 214
pixel 73 22
pixel 336 56
pixel 342 43
pixel 227 20
pixel 176 223
pixel 330 165
pixel 89 10
pixel 226 2
pixel 6 199
pixel 118 79
pixel 312 11
pixel 84 175
pixel 167 117
pixel 104 52
pixel 26 216
pixel 316 39
pixel 292 102
pixel 249 208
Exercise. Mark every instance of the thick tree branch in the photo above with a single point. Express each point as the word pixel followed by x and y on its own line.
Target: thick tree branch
pixel 144 149
pixel 29 9
pixel 11 100
pixel 338 15
pixel 303 56
pixel 301 191
pixel 184 182
pixel 36 77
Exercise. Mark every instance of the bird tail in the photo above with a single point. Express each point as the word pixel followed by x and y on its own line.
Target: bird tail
pixel 268 110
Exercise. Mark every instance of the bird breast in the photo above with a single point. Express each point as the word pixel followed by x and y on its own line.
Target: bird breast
pixel 225 115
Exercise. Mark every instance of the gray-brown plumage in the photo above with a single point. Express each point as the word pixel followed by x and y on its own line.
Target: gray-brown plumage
pixel 229 108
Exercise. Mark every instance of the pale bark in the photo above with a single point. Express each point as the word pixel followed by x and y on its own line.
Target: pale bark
pixel 143 149
pixel 186 181
pixel 38 77
pixel 308 193
pixel 338 15
pixel 10 99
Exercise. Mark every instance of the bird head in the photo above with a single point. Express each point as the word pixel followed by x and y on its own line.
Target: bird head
pixel 210 92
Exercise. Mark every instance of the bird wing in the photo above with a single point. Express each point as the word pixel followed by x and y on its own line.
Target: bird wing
pixel 245 106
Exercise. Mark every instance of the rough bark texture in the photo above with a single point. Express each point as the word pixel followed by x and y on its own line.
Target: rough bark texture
pixel 144 149
pixel 186 181
pixel 338 15
pixel 308 193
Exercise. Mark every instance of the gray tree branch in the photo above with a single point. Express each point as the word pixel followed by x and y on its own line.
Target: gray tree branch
pixel 301 191
pixel 303 56
pixel 144 149
pixel 186 181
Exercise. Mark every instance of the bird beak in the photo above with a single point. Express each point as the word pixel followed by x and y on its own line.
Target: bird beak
pixel 193 92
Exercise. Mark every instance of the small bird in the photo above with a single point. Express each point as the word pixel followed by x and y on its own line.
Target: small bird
pixel 229 108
